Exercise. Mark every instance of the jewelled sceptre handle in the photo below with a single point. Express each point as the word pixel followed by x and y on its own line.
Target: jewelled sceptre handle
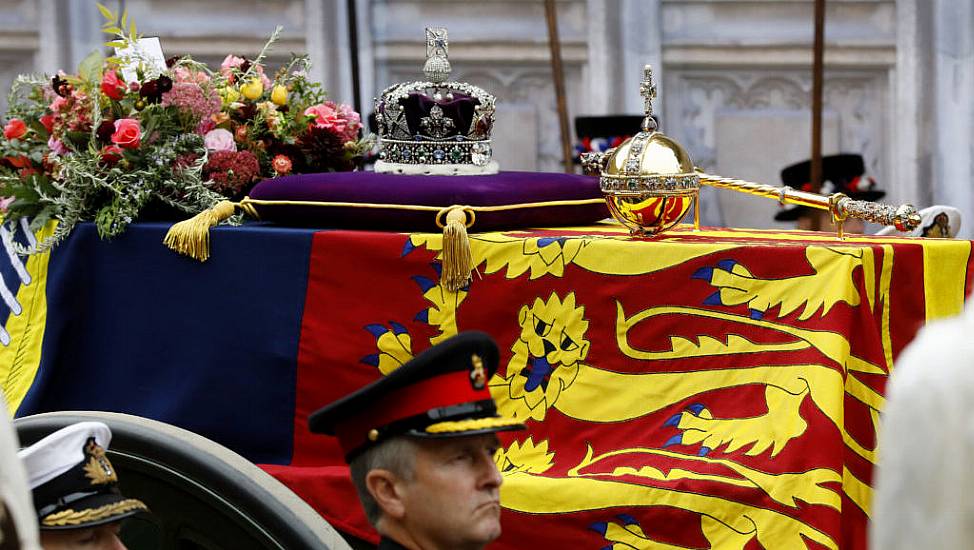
pixel 904 217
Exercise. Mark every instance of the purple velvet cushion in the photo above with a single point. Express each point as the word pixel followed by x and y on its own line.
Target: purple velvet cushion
pixel 502 189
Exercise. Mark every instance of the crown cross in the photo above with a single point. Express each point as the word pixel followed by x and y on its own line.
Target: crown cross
pixel 437 67
pixel 647 89
pixel 436 42
pixel 436 124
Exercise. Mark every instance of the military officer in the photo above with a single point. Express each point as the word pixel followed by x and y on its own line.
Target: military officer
pixel 75 489
pixel 421 445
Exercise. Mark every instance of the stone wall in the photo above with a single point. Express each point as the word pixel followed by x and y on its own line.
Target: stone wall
pixel 734 76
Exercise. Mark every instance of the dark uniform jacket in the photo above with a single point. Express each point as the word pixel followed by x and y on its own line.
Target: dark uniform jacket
pixel 389 544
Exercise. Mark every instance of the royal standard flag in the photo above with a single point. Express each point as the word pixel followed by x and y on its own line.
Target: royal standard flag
pixel 712 389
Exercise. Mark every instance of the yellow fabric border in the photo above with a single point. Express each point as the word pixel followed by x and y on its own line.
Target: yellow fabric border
pixel 20 360
pixel 885 282
pixel 944 276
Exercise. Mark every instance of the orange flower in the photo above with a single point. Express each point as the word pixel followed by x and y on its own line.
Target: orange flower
pixel 240 134
pixel 281 164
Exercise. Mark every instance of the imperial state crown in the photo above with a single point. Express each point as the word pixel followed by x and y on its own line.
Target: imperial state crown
pixel 435 126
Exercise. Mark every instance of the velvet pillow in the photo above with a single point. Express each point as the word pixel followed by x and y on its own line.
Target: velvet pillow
pixel 394 202
pixel 366 200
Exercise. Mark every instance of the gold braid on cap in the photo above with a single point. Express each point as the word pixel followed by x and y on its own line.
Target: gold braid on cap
pixel 471 424
pixel 73 517
pixel 98 469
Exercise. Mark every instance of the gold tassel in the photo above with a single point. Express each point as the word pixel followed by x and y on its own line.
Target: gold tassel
pixel 457 260
pixel 192 237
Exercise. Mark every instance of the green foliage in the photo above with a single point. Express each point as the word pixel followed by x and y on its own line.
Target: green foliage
pixel 90 67
pixel 116 26
pixel 74 163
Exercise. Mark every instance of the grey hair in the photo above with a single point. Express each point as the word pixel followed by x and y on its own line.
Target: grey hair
pixel 396 455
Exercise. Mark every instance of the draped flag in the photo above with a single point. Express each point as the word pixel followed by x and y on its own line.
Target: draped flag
pixel 712 389
pixel 23 304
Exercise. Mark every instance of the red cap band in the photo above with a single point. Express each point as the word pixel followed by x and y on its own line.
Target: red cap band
pixel 446 390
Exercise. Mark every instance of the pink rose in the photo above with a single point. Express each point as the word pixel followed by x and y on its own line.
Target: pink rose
pixel 112 86
pixel 340 119
pixel 325 116
pixel 57 147
pixel 229 63
pixel 353 120
pixel 219 140
pixel 5 203
pixel 128 133
pixel 15 129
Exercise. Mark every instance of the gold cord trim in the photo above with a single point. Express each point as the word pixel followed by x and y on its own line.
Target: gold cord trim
pixel 74 517
pixel 454 220
pixel 248 207
pixel 472 424
pixel 422 208
pixel 457 259
pixel 192 237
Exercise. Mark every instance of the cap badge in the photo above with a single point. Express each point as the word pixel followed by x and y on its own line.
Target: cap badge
pixel 478 377
pixel 98 469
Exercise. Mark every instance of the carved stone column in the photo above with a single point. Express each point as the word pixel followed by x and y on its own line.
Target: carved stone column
pixel 953 47
pixel 327 41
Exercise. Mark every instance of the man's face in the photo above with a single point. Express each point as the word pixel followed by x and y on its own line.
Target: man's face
pixel 453 498
pixel 102 537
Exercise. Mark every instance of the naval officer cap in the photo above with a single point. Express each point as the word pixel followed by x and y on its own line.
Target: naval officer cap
pixel 73 484
pixel 440 393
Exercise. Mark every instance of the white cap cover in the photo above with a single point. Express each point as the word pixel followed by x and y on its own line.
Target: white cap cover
pixel 61 451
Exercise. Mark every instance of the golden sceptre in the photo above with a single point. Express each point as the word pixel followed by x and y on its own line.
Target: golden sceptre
pixel 649 182
pixel 903 217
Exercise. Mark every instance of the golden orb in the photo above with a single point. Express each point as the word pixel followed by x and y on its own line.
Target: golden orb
pixel 649 181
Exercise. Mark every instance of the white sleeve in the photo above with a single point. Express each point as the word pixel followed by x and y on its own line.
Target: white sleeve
pixel 924 480
pixel 14 492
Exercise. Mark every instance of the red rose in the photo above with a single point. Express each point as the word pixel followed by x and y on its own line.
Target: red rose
pixel 112 86
pixel 15 161
pixel 48 122
pixel 15 129
pixel 128 133
pixel 111 154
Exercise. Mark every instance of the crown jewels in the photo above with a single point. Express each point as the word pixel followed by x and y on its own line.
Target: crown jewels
pixel 435 126
pixel 649 181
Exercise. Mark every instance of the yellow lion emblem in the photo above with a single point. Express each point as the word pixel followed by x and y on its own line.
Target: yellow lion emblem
pixel 545 358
